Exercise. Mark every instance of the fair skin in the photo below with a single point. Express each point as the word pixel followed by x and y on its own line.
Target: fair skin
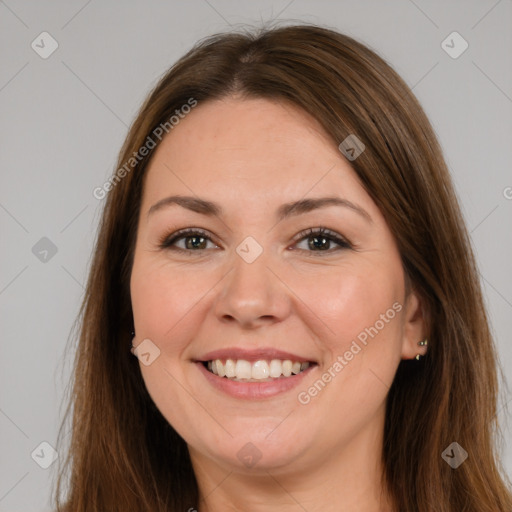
pixel 322 454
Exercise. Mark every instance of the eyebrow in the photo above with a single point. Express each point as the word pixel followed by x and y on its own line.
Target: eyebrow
pixel 286 210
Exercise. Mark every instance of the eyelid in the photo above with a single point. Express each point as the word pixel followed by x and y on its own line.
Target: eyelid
pixel 165 242
pixel 337 238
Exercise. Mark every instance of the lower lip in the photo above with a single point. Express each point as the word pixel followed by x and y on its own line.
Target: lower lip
pixel 253 390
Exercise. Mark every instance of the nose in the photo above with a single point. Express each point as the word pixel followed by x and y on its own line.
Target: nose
pixel 252 294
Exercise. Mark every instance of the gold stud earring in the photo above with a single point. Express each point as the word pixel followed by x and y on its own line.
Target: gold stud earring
pixel 131 343
pixel 422 343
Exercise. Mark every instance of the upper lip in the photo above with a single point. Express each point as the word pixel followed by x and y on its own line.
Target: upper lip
pixel 253 355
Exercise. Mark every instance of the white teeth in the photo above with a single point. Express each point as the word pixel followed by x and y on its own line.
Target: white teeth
pixel 287 368
pixel 220 368
pixel 295 368
pixel 229 368
pixel 259 370
pixel 276 368
pixel 243 369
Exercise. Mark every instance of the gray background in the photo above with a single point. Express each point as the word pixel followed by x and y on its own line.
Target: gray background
pixel 64 119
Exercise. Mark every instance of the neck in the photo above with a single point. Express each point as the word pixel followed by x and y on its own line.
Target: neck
pixel 346 478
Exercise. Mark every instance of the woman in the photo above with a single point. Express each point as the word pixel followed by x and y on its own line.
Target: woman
pixel 283 311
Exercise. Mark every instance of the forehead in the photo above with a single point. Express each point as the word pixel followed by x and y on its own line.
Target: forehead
pixel 250 149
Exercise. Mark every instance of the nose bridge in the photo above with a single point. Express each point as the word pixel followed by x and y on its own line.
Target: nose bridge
pixel 251 291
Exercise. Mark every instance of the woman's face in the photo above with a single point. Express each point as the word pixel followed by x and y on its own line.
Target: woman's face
pixel 260 291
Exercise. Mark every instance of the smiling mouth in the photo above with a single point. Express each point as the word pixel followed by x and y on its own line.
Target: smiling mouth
pixel 257 371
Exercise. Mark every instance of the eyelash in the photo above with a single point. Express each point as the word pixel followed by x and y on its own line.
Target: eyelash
pixel 167 241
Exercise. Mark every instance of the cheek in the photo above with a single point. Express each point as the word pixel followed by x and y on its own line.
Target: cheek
pixel 361 346
pixel 361 343
pixel 352 303
pixel 162 297
pixel 165 305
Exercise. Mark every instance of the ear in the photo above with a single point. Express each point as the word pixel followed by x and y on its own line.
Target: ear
pixel 413 327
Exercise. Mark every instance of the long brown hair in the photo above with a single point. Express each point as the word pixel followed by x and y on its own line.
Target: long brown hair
pixel 123 454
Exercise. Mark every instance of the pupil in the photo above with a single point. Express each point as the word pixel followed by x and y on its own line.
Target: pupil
pixel 321 245
pixel 194 245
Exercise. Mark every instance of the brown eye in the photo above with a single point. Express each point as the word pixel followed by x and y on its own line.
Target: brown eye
pixel 194 240
pixel 321 239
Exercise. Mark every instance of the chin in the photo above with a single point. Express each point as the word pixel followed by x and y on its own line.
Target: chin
pixel 261 447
